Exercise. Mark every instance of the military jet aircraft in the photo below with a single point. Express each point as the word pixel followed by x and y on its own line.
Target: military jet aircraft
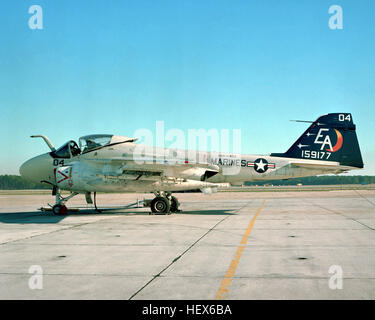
pixel 110 163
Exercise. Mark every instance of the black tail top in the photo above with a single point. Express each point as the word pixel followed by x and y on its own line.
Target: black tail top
pixel 331 137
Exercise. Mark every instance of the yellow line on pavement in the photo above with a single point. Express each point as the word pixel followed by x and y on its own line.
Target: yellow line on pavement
pixel 227 280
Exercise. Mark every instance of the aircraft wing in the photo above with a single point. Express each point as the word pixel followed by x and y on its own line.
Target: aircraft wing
pixel 154 168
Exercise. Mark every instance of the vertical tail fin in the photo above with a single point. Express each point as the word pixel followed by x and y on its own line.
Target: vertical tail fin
pixel 331 137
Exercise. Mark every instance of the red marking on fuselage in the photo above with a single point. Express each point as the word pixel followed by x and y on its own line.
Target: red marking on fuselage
pixel 65 177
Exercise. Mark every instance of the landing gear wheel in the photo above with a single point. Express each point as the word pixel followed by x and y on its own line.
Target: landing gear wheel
pixel 59 209
pixel 174 204
pixel 160 205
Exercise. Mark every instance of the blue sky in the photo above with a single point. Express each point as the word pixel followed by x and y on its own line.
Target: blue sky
pixel 117 66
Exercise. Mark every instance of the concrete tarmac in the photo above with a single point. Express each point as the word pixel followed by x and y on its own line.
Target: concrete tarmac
pixel 229 245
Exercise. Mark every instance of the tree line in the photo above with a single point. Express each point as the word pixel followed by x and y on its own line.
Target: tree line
pixel 317 180
pixel 13 182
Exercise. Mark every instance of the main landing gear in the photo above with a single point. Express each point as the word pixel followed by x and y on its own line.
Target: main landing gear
pixel 164 203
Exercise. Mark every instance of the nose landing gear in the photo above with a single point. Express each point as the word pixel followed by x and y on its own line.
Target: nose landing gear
pixel 60 208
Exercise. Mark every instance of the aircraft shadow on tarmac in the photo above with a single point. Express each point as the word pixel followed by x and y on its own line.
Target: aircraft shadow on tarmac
pixel 210 212
pixel 30 217
pixel 50 218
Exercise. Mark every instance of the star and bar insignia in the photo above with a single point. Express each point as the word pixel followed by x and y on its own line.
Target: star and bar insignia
pixel 261 165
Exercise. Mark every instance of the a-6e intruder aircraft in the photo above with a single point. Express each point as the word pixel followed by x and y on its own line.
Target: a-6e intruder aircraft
pixel 109 163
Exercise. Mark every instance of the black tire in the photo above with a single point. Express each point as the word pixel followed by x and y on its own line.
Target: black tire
pixel 174 204
pixel 160 205
pixel 59 210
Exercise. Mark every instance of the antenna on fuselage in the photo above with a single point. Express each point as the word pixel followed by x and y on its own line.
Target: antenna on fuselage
pixel 46 140
pixel 302 121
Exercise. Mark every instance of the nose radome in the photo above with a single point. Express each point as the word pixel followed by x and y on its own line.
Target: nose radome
pixel 24 169
pixel 37 169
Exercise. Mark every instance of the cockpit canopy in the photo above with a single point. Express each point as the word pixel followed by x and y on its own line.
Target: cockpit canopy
pixel 87 144
pixel 96 141
pixel 67 150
